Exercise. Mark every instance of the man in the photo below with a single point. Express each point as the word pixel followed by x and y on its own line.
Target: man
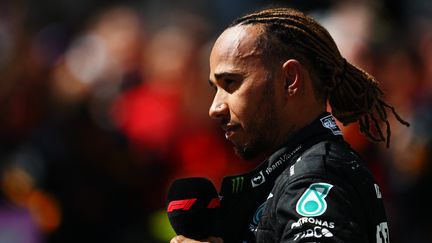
pixel 273 72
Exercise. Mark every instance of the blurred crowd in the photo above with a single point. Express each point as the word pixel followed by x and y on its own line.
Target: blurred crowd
pixel 104 103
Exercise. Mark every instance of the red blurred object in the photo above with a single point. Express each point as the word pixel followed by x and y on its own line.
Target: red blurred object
pixel 149 116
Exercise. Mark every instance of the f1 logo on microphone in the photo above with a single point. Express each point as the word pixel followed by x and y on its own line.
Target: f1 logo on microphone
pixel 186 204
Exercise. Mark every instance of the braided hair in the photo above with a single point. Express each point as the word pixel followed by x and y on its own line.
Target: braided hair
pixel 352 93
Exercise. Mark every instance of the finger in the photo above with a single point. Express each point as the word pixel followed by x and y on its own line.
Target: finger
pixel 215 240
pixel 178 239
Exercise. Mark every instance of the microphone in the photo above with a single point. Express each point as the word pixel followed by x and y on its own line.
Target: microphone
pixel 193 206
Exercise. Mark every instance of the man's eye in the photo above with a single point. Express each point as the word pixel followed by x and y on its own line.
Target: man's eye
pixel 229 82
pixel 231 85
pixel 212 86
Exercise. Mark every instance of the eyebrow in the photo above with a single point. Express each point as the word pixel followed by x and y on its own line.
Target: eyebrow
pixel 224 75
pixel 227 75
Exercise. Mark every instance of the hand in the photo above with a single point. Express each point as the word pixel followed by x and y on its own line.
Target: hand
pixel 182 239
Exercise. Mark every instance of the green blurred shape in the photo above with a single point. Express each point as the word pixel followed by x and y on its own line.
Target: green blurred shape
pixel 160 227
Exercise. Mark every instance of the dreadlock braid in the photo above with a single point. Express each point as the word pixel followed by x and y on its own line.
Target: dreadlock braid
pixel 353 94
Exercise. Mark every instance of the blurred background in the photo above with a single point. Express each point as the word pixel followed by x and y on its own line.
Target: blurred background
pixel 104 102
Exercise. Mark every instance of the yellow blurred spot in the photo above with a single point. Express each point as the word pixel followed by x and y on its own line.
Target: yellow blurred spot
pixel 160 227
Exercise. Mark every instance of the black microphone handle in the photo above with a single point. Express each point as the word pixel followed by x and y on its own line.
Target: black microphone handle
pixel 193 208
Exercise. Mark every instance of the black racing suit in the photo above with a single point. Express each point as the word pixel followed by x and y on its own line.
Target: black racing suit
pixel 314 189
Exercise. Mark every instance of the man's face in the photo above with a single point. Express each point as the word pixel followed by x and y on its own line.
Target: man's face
pixel 248 94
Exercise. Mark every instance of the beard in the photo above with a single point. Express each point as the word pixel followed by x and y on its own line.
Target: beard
pixel 250 151
pixel 262 128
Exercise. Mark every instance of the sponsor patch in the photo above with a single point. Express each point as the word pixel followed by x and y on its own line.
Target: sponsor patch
pixel 258 179
pixel 291 170
pixel 316 232
pixel 257 217
pixel 330 123
pixel 382 233
pixel 237 184
pixel 312 203
pixel 314 221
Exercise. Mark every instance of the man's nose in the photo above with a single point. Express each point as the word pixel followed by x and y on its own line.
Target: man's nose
pixel 219 108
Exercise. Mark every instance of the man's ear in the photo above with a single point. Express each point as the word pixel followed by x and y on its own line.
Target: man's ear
pixel 292 69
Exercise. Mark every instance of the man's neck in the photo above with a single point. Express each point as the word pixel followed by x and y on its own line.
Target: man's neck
pixel 290 131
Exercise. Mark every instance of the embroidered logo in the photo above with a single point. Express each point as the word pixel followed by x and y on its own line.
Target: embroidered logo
pixel 330 123
pixel 312 203
pixel 257 217
pixel 237 184
pixel 258 179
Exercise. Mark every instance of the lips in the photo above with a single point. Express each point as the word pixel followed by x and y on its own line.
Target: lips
pixel 229 134
pixel 230 130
